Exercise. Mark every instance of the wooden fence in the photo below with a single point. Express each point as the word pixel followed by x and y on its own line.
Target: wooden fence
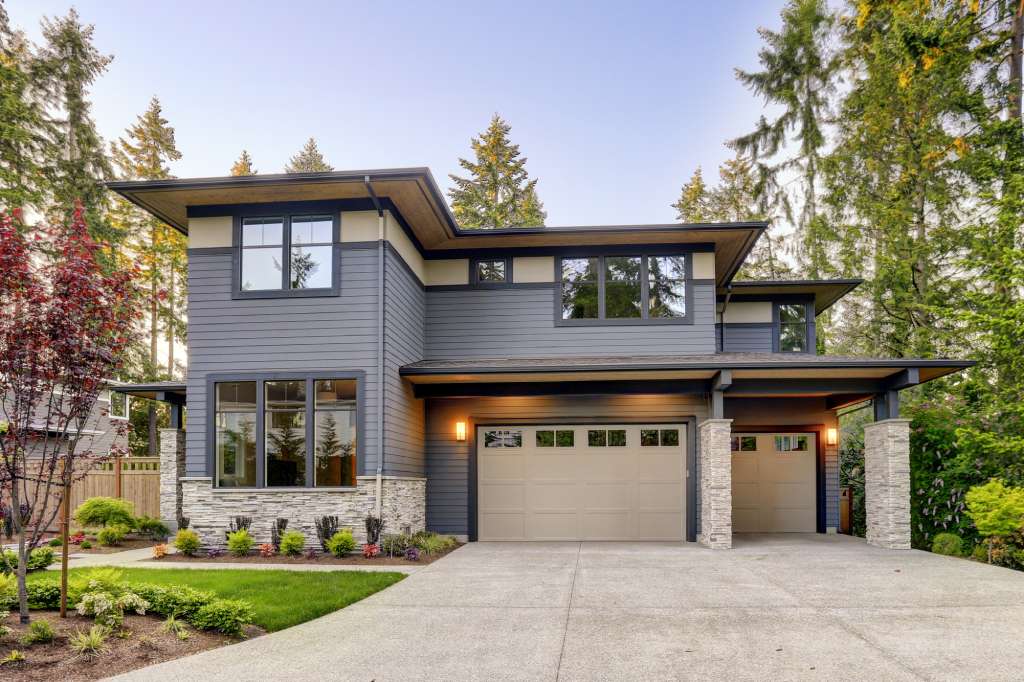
pixel 135 479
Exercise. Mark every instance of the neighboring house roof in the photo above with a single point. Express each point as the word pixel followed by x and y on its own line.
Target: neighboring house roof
pixel 742 365
pixel 157 390
pixel 824 291
pixel 418 200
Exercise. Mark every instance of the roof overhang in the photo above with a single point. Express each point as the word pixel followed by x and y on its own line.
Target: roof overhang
pixel 824 292
pixel 842 380
pixel 414 194
pixel 164 391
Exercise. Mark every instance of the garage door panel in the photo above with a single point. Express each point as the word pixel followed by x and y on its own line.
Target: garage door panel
pixel 746 519
pixel 744 468
pixel 775 491
pixel 534 491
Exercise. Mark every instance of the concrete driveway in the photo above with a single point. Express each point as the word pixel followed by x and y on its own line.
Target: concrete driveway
pixel 774 607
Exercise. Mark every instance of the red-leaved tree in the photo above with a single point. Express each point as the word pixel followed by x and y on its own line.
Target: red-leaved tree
pixel 65 320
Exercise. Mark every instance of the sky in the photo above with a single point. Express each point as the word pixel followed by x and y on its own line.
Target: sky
pixel 614 104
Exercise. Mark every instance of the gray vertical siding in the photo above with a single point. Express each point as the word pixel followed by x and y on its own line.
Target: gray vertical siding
pixel 404 414
pixel 747 338
pixel 448 460
pixel 266 335
pixel 519 322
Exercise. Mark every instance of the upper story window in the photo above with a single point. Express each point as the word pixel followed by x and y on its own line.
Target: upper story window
pixel 793 328
pixel 624 289
pixel 492 271
pixel 287 255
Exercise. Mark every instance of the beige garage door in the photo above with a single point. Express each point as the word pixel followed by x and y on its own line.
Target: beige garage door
pixel 581 482
pixel 773 483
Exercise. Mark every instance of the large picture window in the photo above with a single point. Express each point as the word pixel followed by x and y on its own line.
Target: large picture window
pixel 617 289
pixel 793 328
pixel 290 253
pixel 286 431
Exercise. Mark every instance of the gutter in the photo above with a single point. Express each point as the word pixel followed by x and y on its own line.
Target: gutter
pixel 379 482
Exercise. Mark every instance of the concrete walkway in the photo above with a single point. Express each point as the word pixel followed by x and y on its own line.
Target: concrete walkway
pixel 775 607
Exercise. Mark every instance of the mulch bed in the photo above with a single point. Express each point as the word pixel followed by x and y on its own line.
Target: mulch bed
pixel 143 643
pixel 130 543
pixel 322 559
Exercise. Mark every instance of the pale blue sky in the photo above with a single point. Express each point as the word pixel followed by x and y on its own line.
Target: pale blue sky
pixel 614 104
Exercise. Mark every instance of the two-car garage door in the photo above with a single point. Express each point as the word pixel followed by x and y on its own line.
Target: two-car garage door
pixel 581 482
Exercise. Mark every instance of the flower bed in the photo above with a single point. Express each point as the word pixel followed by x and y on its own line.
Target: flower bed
pixel 320 559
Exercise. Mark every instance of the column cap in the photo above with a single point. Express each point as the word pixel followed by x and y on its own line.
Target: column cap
pixel 715 421
pixel 888 421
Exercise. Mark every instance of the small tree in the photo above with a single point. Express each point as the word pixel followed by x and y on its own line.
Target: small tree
pixel 996 509
pixel 64 322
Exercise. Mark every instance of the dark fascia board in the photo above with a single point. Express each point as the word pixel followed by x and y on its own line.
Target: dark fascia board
pixel 953 365
pixel 161 390
pixel 824 291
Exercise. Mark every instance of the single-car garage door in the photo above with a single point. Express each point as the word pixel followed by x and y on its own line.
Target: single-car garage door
pixel 581 482
pixel 774 483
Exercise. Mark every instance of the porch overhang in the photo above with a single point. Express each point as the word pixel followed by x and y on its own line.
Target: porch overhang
pixel 841 380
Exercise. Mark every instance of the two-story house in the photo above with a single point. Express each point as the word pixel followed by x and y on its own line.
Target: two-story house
pixel 353 351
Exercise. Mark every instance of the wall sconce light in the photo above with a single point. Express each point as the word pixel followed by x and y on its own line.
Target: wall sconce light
pixel 832 437
pixel 460 431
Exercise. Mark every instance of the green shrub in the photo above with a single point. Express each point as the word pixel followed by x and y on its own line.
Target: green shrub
pixel 187 542
pixel 173 600
pixel 106 579
pixel 38 559
pixel 240 542
pixel 152 528
pixel 111 536
pixel 108 609
pixel 43 594
pixel 995 508
pixel 86 544
pixel 39 632
pixel 55 542
pixel 89 644
pixel 948 544
pixel 341 543
pixel 395 544
pixel 225 615
pixel 13 658
pixel 292 543
pixel 105 511
pixel 979 553
pixel 432 543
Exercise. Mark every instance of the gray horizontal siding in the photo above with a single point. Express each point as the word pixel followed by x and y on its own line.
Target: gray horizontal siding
pixel 448 460
pixel 747 338
pixel 404 414
pixel 487 323
pixel 266 335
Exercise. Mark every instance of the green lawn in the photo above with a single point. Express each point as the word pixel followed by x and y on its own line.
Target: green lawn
pixel 281 598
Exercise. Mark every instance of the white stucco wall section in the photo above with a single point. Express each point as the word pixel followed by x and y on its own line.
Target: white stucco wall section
pixel 448 271
pixel 208 233
pixel 404 246
pixel 530 269
pixel 703 265
pixel 745 312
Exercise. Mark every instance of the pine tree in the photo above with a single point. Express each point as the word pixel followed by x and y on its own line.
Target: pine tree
pixel 308 160
pixel 24 129
pixel 498 191
pixel 159 250
pixel 69 65
pixel 799 74
pixel 243 166
pixel 692 205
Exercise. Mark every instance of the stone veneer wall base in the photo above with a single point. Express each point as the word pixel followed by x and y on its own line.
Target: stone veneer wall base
pixel 211 511
pixel 887 483
pixel 172 470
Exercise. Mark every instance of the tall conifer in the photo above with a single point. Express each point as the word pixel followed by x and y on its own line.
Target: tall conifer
pixel 308 160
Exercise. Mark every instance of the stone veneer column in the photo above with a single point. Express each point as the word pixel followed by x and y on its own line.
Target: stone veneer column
pixel 887 483
pixel 715 484
pixel 172 470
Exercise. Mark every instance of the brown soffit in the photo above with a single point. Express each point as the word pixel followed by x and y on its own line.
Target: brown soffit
pixel 824 291
pixel 419 200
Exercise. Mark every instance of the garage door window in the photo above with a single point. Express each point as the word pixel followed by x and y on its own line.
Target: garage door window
pixel 790 443
pixel 503 438
pixel 555 438
pixel 600 438
pixel 744 443
pixel 659 437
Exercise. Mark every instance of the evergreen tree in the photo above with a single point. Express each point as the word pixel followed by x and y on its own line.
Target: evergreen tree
pixel 24 129
pixel 159 250
pixel 69 65
pixel 799 74
pixel 308 160
pixel 498 191
pixel 692 205
pixel 243 166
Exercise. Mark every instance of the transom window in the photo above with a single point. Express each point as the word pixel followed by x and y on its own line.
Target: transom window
pixel 287 253
pixel 627 289
pixel 793 328
pixel 299 432
pixel 491 271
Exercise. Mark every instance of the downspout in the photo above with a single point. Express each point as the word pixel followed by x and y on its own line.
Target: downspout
pixel 379 484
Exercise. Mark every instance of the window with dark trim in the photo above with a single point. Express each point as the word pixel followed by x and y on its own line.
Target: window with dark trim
pixel 793 328
pixel 492 271
pixel 624 289
pixel 281 431
pixel 287 255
